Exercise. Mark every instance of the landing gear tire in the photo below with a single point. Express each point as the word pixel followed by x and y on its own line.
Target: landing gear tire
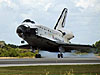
pixel 60 55
pixel 38 56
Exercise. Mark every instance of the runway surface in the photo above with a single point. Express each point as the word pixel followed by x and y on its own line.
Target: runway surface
pixel 48 61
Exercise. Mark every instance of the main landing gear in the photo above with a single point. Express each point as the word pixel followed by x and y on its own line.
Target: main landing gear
pixel 61 51
pixel 60 55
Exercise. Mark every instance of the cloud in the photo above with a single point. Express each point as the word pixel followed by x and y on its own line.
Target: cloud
pixel 88 5
pixel 85 3
pixel 48 6
pixel 8 3
pixel 38 4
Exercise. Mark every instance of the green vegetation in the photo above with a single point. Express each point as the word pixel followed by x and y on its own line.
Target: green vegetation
pixel 13 51
pixel 52 70
pixel 97 45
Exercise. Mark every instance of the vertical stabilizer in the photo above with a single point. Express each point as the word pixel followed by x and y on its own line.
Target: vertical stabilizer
pixel 61 21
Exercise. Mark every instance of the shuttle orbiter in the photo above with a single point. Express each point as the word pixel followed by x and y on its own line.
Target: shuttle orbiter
pixel 47 39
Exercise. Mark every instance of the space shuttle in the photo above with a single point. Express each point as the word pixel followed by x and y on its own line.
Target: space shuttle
pixel 44 38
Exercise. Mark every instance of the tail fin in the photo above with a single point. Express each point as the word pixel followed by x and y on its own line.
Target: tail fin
pixel 61 21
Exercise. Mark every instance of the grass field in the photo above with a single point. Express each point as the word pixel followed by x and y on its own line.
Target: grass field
pixel 52 70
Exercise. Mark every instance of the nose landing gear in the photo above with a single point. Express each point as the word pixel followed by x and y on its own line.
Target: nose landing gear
pixel 34 51
pixel 38 56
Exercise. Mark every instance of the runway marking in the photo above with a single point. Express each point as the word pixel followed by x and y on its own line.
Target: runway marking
pixel 48 61
pixel 8 65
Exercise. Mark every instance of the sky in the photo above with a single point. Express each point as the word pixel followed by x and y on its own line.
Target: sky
pixel 83 17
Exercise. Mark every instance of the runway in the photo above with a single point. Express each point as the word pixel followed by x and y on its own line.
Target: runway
pixel 48 61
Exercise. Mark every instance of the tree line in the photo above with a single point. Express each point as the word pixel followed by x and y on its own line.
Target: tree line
pixel 97 45
pixel 13 51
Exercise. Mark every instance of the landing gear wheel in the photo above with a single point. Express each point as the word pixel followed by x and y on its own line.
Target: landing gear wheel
pixel 38 56
pixel 60 55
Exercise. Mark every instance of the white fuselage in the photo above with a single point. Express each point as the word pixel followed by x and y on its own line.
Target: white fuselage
pixel 50 34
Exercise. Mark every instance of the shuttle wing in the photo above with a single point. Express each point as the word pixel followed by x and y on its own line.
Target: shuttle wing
pixel 78 47
pixel 53 46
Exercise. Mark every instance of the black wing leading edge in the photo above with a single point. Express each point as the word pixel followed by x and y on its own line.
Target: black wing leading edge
pixel 83 48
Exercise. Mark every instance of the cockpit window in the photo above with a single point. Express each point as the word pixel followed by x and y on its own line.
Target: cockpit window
pixel 28 20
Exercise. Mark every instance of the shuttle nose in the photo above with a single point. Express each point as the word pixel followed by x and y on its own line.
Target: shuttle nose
pixel 19 31
pixel 23 30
